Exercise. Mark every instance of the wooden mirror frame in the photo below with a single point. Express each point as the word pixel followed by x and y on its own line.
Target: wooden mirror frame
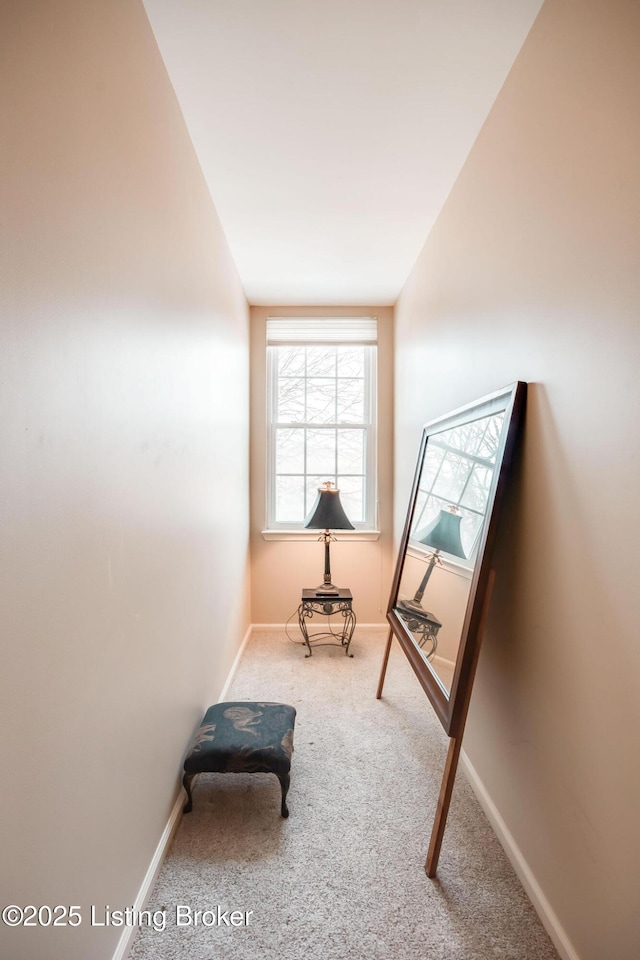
pixel 452 709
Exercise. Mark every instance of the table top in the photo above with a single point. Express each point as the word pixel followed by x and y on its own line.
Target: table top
pixel 422 616
pixel 342 594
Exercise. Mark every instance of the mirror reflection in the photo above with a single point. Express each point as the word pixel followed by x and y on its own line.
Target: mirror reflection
pixel 453 491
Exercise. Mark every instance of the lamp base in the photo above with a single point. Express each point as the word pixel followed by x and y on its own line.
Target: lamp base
pixel 414 608
pixel 326 590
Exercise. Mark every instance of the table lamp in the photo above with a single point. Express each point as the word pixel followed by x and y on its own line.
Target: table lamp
pixel 327 514
pixel 443 533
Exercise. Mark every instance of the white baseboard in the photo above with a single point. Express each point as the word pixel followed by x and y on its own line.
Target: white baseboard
pixel 279 627
pixel 534 891
pixel 372 628
pixel 128 934
pixel 234 665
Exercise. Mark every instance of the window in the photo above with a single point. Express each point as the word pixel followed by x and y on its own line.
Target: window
pixel 321 403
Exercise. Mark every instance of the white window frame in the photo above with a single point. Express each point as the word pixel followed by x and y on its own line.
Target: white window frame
pixel 331 331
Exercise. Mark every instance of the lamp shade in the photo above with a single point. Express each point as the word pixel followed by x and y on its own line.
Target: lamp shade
pixel 443 533
pixel 327 512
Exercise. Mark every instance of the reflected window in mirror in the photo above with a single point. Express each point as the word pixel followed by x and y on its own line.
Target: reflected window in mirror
pixel 456 477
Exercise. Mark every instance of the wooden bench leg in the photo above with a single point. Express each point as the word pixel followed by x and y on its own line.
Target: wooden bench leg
pixel 285 780
pixel 186 783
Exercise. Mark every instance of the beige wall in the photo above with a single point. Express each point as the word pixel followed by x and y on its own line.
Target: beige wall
pixel 281 568
pixel 532 272
pixel 124 432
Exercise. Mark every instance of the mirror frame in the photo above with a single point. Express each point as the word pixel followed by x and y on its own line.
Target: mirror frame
pixel 451 709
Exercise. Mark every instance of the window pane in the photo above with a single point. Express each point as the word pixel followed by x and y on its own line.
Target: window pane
pixel 418 515
pixel 491 438
pixel 321 452
pixel 477 492
pixel 291 361
pixel 290 400
pixel 432 460
pixel 321 400
pixel 350 400
pixel 466 437
pixel 451 479
pixel 350 362
pixel 351 451
pixel 352 497
pixel 289 499
pixel 321 361
pixel 289 451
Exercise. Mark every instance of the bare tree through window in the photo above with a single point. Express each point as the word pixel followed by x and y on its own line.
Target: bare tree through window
pixel 457 472
pixel 321 423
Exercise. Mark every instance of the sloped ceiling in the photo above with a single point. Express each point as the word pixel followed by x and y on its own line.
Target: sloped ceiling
pixel 330 133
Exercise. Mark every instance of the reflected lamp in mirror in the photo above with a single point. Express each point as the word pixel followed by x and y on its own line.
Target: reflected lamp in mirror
pixel 327 514
pixel 442 534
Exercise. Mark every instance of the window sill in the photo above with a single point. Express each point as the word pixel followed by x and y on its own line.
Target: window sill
pixel 461 569
pixel 316 534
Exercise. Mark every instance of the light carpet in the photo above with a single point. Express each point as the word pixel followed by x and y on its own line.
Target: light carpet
pixel 343 878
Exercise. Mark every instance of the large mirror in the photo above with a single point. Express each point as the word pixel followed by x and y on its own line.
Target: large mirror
pixel 439 588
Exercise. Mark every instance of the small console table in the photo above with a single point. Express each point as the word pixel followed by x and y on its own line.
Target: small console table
pixel 312 604
pixel 423 625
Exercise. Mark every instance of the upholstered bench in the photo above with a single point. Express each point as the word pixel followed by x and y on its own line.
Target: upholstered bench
pixel 243 737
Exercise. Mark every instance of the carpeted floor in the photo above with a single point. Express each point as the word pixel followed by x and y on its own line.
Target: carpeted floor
pixel 343 878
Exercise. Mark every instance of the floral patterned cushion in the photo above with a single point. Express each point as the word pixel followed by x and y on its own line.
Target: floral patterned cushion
pixel 243 737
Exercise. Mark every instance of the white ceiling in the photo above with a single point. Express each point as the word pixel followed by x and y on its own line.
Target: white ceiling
pixel 330 133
